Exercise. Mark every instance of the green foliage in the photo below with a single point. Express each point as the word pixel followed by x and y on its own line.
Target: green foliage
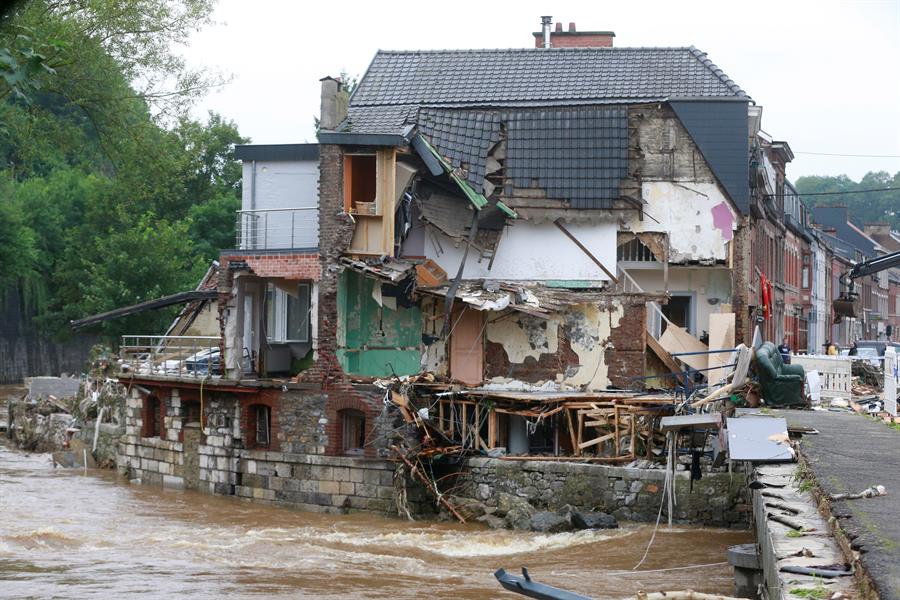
pixel 870 207
pixel 109 193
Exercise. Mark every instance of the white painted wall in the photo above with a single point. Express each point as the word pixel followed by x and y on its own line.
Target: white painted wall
pixel 281 185
pixel 704 283
pixel 685 211
pixel 535 252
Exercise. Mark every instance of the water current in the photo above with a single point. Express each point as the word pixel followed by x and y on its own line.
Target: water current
pixel 67 534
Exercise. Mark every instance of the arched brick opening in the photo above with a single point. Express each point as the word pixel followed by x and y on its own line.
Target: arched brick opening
pixel 259 417
pixel 348 403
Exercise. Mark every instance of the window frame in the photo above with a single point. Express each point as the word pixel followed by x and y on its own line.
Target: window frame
pixel 276 319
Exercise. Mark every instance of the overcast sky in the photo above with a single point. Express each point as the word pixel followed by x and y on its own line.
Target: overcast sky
pixel 827 73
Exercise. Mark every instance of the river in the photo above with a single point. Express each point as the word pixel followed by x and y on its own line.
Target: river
pixel 67 534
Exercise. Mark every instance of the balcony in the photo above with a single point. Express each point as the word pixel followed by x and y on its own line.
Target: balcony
pixel 174 356
pixel 278 228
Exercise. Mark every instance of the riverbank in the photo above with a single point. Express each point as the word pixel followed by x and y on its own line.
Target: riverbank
pixel 96 536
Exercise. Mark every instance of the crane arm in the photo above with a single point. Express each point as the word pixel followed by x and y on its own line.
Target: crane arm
pixel 875 265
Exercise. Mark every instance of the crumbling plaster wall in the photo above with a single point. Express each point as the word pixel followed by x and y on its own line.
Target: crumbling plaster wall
pixel 534 252
pixel 682 196
pixel 588 346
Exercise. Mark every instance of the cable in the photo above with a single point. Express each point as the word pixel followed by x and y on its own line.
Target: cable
pixel 802 195
pixel 852 155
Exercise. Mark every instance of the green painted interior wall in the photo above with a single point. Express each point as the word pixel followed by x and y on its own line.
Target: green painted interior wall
pixel 373 339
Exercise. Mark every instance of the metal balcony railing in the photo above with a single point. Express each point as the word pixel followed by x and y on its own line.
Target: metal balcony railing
pixel 278 228
pixel 197 356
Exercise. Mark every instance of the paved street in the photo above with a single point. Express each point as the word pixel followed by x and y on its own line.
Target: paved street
pixel 850 454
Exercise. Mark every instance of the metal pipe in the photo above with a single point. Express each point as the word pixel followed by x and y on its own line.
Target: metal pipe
pixel 545 29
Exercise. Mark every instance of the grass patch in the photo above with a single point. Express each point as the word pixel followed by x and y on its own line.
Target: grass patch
pixel 817 593
pixel 793 533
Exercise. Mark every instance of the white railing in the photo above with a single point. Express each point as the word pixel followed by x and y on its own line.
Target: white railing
pixel 278 228
pixel 891 380
pixel 655 314
pixel 196 356
pixel 835 373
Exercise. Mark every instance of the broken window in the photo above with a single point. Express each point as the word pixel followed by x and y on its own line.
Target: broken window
pixel 353 431
pixel 262 419
pixel 152 417
pixel 288 309
pixel 360 184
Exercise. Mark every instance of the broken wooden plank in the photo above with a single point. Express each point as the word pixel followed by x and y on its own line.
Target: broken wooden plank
pixel 596 441
pixel 666 358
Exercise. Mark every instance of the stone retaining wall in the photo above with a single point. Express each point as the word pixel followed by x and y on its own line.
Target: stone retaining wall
pixel 718 499
pixel 325 483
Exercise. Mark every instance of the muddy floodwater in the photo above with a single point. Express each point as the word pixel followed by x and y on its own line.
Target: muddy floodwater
pixel 64 534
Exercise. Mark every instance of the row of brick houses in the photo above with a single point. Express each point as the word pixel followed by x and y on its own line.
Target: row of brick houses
pixel 487 225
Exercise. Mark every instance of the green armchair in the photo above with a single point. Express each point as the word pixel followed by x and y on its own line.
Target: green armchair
pixel 780 384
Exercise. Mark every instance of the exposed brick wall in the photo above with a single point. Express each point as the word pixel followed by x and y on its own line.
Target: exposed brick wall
pixel 287 265
pixel 574 39
pixel 625 359
pixel 740 281
pixel 335 234
pixel 268 398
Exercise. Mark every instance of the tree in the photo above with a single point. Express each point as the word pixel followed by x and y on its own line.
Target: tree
pixel 864 207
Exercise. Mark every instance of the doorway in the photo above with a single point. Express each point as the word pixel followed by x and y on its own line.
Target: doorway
pixel 679 311
pixel 467 346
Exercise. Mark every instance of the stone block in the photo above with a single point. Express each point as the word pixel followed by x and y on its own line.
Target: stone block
pixel 386 493
pixel 321 473
pixel 276 483
pixel 372 477
pixel 329 487
pixel 347 488
pixel 356 475
pixel 283 469
pixel 341 473
pixel 250 467
pixel 366 490
pixel 358 503
pixel 339 500
pixel 378 505
pixel 170 481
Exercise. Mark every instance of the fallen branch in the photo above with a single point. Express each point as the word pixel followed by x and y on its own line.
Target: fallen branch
pixel 415 472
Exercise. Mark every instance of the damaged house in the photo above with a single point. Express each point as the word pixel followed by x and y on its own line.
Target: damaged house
pixel 506 221
pixel 484 244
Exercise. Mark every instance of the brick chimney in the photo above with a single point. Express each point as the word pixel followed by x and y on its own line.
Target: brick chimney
pixel 575 39
pixel 334 104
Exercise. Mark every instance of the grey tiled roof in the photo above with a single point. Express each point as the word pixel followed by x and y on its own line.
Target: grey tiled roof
pixel 571 154
pixel 463 137
pixel 377 119
pixel 575 155
pixel 538 76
